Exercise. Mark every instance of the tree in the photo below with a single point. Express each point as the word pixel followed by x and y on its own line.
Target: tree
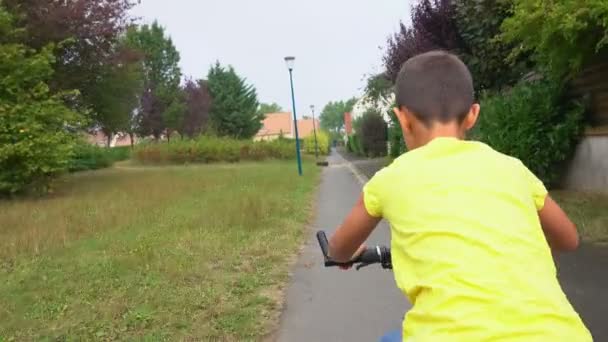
pixel 266 108
pixel 563 36
pixel 373 134
pixel 161 74
pixel 85 33
pixel 487 56
pixel 36 128
pixel 116 95
pixel 433 27
pixel 198 104
pixel 332 116
pixel 234 111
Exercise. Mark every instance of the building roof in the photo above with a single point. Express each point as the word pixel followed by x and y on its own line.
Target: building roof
pixel 275 124
pixel 305 127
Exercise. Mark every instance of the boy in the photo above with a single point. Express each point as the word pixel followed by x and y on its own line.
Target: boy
pixel 472 230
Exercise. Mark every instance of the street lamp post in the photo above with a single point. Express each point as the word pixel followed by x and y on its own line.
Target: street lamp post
pixel 314 129
pixel 290 63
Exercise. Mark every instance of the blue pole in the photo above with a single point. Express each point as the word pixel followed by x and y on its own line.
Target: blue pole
pixel 295 123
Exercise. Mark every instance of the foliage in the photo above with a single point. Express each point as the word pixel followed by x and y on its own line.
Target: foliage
pixel 378 89
pixel 198 105
pixel 433 27
pixel 354 145
pixel 234 112
pixel 373 134
pixel 85 32
pixel 268 108
pixel 208 149
pixel 486 55
pixel 322 144
pixel 115 95
pixel 534 124
pixel 35 138
pixel 562 35
pixel 91 157
pixel 332 116
pixel 161 74
pixel 173 116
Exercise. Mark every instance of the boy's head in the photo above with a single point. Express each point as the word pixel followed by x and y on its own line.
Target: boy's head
pixel 435 97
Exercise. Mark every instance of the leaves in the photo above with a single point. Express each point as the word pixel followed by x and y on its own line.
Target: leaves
pixel 532 123
pixel 36 128
pixel 234 111
pixel 562 36
pixel 332 116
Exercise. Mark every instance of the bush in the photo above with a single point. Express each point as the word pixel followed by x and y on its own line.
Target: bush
pixel 322 143
pixel 92 157
pixel 36 128
pixel 562 35
pixel 354 145
pixel 534 124
pixel 207 149
pixel 373 134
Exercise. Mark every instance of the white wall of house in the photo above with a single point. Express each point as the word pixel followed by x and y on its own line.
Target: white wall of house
pixel 588 170
pixel 364 104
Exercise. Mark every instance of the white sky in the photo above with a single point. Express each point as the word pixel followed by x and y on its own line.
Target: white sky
pixel 336 42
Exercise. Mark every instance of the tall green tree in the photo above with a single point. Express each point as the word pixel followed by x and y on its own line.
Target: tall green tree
pixel 234 111
pixel 36 128
pixel 115 95
pixel 332 116
pixel 267 108
pixel 161 75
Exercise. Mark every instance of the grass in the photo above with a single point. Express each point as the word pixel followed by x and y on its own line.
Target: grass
pixel 174 253
pixel 588 211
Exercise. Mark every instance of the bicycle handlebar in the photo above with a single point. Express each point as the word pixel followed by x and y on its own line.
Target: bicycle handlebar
pixel 375 255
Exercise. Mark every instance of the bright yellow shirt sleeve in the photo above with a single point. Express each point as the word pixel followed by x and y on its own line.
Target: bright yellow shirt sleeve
pixel 537 188
pixel 371 195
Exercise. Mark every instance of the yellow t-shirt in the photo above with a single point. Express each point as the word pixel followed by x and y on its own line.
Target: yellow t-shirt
pixel 468 249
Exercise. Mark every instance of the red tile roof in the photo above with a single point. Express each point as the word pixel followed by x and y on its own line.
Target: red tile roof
pixel 275 124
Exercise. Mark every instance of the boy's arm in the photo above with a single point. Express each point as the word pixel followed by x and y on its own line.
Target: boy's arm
pixel 353 232
pixel 559 230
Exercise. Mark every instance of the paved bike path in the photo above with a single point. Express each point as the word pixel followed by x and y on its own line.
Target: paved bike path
pixel 331 305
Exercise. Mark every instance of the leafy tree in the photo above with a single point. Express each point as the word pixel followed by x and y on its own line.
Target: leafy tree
pixel 173 116
pixel 85 32
pixel 116 95
pixel 234 111
pixel 563 36
pixel 198 105
pixel 332 116
pixel 373 134
pixel 267 108
pixel 36 138
pixel 487 56
pixel 433 27
pixel 161 74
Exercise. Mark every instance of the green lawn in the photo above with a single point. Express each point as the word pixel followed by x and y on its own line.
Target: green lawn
pixel 173 253
pixel 588 211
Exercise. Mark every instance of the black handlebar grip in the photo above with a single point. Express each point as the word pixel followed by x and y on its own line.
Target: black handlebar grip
pixel 369 256
pixel 323 243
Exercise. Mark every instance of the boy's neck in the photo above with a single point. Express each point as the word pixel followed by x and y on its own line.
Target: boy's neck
pixel 426 135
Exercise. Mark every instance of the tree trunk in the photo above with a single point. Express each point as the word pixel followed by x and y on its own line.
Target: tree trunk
pixel 108 140
pixel 131 136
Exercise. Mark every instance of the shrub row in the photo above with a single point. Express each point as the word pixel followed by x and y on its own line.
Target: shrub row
pixel 322 143
pixel 91 157
pixel 534 122
pixel 206 149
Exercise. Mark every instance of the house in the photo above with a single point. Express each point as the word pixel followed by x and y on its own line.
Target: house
pixel 100 139
pixel 276 125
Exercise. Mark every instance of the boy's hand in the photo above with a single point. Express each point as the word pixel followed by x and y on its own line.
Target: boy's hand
pixel 359 251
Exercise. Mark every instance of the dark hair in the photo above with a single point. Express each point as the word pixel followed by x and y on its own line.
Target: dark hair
pixel 435 86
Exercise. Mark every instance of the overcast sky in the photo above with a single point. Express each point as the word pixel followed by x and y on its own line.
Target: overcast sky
pixel 336 42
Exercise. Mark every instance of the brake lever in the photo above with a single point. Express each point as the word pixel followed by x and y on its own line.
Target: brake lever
pixel 360 266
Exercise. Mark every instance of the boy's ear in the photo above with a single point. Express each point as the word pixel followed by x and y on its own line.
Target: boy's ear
pixel 403 120
pixel 471 119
